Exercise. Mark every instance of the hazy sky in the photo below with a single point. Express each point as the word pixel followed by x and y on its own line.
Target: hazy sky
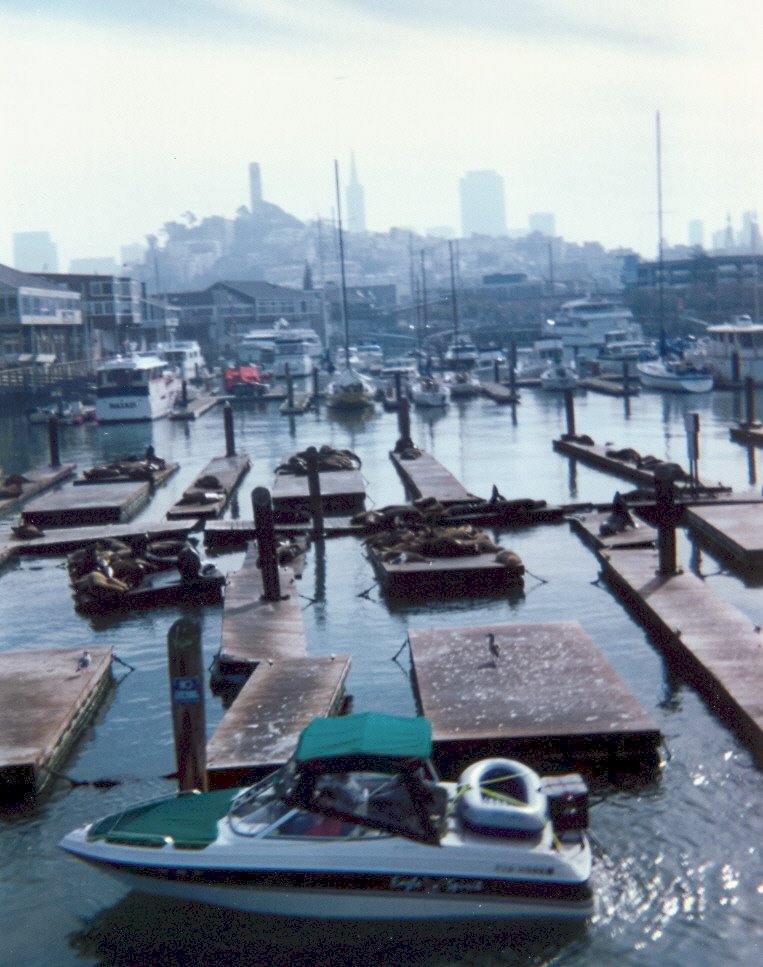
pixel 120 115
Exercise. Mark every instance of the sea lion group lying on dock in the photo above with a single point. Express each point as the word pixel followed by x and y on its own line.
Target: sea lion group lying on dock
pixel 329 458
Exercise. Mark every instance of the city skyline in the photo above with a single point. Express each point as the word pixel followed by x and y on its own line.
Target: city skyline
pixel 125 115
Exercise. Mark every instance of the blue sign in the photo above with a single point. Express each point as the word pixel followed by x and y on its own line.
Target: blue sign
pixel 186 690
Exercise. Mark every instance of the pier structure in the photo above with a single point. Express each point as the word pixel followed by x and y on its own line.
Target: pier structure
pixel 46 697
pixel 208 495
pixel 543 692
pixel 423 476
pixel 341 492
pixel 195 408
pixel 101 503
pixel 18 489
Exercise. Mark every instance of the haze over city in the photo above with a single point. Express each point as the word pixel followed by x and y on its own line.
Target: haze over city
pixel 121 116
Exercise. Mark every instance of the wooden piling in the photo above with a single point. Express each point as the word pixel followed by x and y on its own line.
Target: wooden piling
pixel 666 514
pixel 289 388
pixel 186 672
pixel 749 398
pixel 314 487
pixel 569 408
pixel 230 444
pixel 266 543
pixel 404 424
pixel 55 458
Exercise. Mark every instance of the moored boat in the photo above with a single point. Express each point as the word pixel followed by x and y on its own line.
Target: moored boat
pixel 357 825
pixel 674 375
pixel 428 391
pixel 559 377
pixel 137 386
pixel 732 350
pixel 350 390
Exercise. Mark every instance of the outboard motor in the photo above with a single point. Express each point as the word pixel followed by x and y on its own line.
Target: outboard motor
pixel 567 801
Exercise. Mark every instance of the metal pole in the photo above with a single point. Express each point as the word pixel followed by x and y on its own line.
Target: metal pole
pixel 266 543
pixel 186 673
pixel 314 488
pixel 230 443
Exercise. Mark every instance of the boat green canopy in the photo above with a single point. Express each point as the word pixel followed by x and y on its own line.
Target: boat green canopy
pixel 365 736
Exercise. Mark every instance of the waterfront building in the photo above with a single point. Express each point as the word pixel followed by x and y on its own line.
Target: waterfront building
pixel 483 208
pixel 40 321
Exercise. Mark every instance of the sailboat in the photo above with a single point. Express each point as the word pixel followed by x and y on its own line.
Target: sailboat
pixel 424 388
pixel 461 355
pixel 349 390
pixel 670 371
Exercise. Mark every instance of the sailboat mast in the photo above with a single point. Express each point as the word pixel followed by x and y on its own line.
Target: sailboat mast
pixel 660 245
pixel 453 295
pixel 345 317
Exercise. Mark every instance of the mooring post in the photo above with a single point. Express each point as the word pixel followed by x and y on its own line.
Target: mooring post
pixel 398 386
pixel 315 383
pixel 184 393
pixel 736 369
pixel 186 672
pixel 666 514
pixel 404 424
pixel 314 488
pixel 230 443
pixel 496 370
pixel 569 409
pixel 55 456
pixel 749 400
pixel 266 543
pixel 513 368
pixel 289 388
pixel 626 377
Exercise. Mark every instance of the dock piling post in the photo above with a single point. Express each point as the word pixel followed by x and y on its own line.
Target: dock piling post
pixel 398 386
pixel 736 373
pixel 749 400
pixel 569 408
pixel 513 368
pixel 314 488
pixel 667 515
pixel 230 443
pixel 496 370
pixel 266 543
pixel 289 388
pixel 404 425
pixel 55 456
pixel 186 671
pixel 184 394
pixel 315 383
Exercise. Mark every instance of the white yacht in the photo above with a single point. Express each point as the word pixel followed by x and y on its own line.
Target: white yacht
pixel 583 325
pixel 290 356
pixel 138 386
pixel 731 350
pixel 461 354
pixel 185 355
pixel 258 345
pixel 370 356
pixel 533 361
pixel 428 391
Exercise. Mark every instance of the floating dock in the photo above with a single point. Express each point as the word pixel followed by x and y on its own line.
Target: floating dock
pixel 610 387
pixel 588 528
pixel 208 495
pixel 423 476
pixel 713 645
pixel 624 463
pixel 194 408
pixel 260 730
pixel 46 697
pixel 439 578
pixel 548 695
pixel 733 531
pixel 499 393
pixel 342 492
pixel 33 482
pixel 255 630
pixel 156 478
pixel 102 503
pixel 64 539
pixel 750 434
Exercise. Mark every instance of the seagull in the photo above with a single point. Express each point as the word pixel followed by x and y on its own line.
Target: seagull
pixel 492 645
pixel 84 660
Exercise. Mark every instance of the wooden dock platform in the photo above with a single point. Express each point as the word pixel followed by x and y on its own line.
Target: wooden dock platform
pixel 195 408
pixel 751 434
pixel 255 630
pixel 46 697
pixel 610 387
pixel 549 695
pixel 64 539
pixel 219 534
pixel 423 476
pixel 587 527
pixel 713 645
pixel 499 393
pixel 33 482
pixel 442 578
pixel 156 478
pixel 342 492
pixel 208 496
pixel 626 467
pixel 260 730
pixel 84 506
pixel 300 403
pixel 733 531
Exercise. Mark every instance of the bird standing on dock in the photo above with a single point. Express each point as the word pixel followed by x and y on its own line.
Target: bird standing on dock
pixel 84 660
pixel 492 646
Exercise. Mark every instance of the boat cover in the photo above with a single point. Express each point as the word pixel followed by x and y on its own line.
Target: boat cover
pixel 366 736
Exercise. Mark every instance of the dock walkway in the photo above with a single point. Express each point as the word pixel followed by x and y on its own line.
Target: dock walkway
pixel 549 692
pixel 46 696
pixel 734 531
pixel 716 646
pixel 101 503
pixel 208 495
pixel 342 492
pixel 195 407
pixel 34 482
pixel 424 476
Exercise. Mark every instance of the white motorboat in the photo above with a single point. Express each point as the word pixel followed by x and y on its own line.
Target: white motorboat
pixel 674 375
pixel 350 390
pixel 461 354
pixel 370 356
pixel 559 377
pixel 138 386
pixel 428 391
pixel 462 384
pixel 357 825
pixel 68 413
pixel 618 351
pixel 533 361
pixel 583 325
pixel 185 355
pixel 731 350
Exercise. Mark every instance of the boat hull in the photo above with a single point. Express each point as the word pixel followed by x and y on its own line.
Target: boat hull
pixel 674 383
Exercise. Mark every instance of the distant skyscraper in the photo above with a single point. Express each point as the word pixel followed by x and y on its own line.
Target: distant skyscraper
pixel 483 209
pixel 697 232
pixel 749 233
pixel 255 187
pixel 544 222
pixel 34 252
pixel 356 204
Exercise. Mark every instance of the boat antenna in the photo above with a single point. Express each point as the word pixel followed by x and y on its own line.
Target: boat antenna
pixel 345 319
pixel 660 244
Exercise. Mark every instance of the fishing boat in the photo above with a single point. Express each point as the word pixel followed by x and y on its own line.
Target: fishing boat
pixel 136 386
pixel 559 377
pixel 674 375
pixel 245 382
pixel 357 825
pixel 349 389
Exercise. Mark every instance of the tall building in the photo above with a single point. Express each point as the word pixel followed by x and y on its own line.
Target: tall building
pixel 543 222
pixel 356 203
pixel 483 209
pixel 749 235
pixel 697 232
pixel 255 187
pixel 34 252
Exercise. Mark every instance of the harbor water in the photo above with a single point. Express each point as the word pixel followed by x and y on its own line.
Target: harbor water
pixel 678 872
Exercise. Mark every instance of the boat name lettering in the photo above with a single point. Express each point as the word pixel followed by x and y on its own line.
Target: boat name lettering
pixel 429 884
pixel 123 406
pixel 528 870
